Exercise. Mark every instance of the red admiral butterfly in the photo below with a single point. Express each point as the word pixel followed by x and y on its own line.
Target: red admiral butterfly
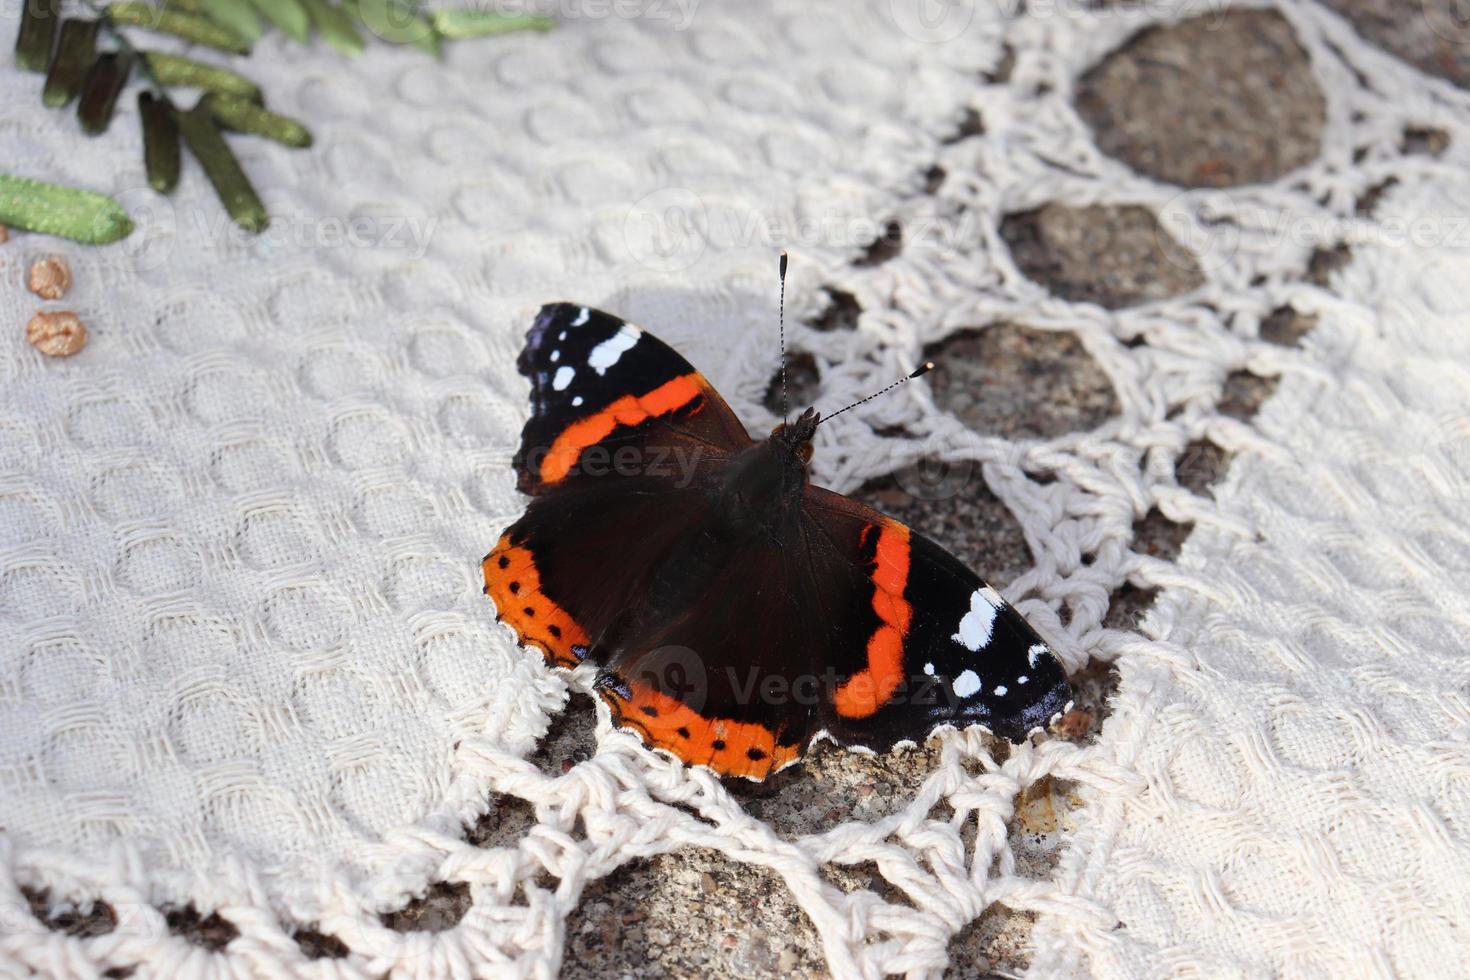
pixel 735 612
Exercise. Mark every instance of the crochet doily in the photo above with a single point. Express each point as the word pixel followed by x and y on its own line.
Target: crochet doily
pixel 246 670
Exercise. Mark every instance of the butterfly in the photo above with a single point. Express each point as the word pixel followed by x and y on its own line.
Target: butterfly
pixel 735 613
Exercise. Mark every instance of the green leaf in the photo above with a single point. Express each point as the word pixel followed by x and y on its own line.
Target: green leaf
pixel 468 22
pixel 82 216
pixel 244 116
pixel 236 16
pixel 173 69
pixel 100 89
pixel 289 16
pixel 38 20
pixel 397 22
pixel 221 167
pixel 74 54
pixel 160 142
pixel 335 25
pixel 190 27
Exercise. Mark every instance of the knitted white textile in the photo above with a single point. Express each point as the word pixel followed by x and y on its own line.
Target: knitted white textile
pixel 244 658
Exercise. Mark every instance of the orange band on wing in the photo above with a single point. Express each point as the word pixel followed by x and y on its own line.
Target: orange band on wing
pixel 629 410
pixel 512 580
pixel 731 748
pixel 865 692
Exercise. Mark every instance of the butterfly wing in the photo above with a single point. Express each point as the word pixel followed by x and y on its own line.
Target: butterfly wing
pixel 609 397
pixel 711 666
pixel 744 648
pixel 929 645
pixel 623 436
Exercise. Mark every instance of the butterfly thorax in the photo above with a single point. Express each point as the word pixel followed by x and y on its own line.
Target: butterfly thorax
pixel 764 484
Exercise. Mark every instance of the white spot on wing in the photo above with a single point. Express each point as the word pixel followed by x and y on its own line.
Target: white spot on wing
pixel 582 317
pixel 555 356
pixel 967 684
pixel 577 400
pixel 606 354
pixel 1022 679
pixel 1000 691
pixel 977 624
pixel 1033 654
pixel 564 375
pixel 562 335
pixel 929 669
pixel 993 597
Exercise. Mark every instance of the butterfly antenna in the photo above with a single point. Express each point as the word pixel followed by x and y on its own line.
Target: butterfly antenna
pixel 919 371
pixel 781 319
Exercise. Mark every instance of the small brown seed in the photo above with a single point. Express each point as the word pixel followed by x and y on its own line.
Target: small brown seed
pixel 56 334
pixel 50 277
pixel 1075 724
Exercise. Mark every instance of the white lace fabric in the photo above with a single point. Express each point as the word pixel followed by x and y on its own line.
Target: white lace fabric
pixel 244 659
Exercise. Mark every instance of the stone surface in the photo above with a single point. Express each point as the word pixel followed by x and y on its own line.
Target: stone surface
pixel 1432 35
pixel 841 312
pixel 1208 102
pixel 1285 327
pixel 1200 466
pixel 1158 536
pixel 1244 393
pixel 1020 383
pixel 443 905
pixel 84 922
pixel 1112 256
pixel 690 914
pixel 212 931
pixel 803 383
pixel 318 945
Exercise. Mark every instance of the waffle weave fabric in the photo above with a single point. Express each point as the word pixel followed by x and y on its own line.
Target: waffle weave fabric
pixel 245 664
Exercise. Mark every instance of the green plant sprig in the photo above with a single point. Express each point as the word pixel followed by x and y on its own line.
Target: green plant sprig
pixel 66 50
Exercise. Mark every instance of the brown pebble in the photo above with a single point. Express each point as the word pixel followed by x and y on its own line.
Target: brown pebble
pixel 708 883
pixel 50 277
pixel 1075 723
pixel 56 334
pixel 731 940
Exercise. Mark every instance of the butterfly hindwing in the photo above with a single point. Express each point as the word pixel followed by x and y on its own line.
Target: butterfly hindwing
pixel 703 668
pixel 564 572
pixel 937 646
pixel 609 398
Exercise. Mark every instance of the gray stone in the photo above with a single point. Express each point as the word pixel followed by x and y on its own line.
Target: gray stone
pixel 1112 256
pixel 1020 383
pixel 1432 35
pixel 1207 102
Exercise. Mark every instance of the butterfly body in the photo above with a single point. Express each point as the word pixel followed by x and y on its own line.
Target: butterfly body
pixel 734 611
